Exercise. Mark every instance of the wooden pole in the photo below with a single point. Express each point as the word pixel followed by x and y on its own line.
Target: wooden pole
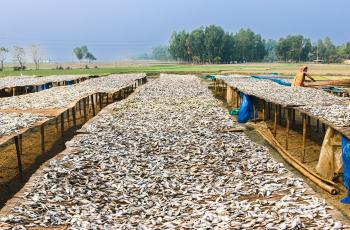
pixel 19 161
pixel 56 123
pixel 275 122
pixel 68 118
pixel 309 125
pixel 280 114
pixel 21 142
pixel 84 105
pixel 42 135
pixel 100 100
pixel 62 124
pixel 304 138
pixel 74 118
pixel 80 109
pixel 93 105
pixel 254 112
pixel 263 110
pixel 293 118
pixel 287 128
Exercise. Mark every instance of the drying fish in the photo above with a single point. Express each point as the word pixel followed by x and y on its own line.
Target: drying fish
pixel 61 97
pixel 13 81
pixel 12 122
pixel 339 115
pixel 159 160
pixel 286 96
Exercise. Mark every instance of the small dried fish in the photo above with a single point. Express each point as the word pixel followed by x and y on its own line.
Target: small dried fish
pixel 12 122
pixel 160 160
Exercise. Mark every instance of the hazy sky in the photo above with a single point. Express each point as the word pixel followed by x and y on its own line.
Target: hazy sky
pixel 118 29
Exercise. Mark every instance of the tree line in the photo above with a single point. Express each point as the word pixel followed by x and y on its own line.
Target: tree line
pixel 19 56
pixel 212 44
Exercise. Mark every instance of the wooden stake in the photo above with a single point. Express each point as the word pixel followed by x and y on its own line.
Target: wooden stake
pixel 68 118
pixel 309 125
pixel 293 118
pixel 93 105
pixel 56 121
pixel 275 122
pixel 287 128
pixel 304 138
pixel 19 161
pixel 280 114
pixel 42 135
pixel 62 124
pixel 254 112
pixel 263 110
pixel 100 100
pixel 84 105
pixel 74 118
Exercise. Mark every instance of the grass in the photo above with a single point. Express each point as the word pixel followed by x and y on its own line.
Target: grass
pixel 320 71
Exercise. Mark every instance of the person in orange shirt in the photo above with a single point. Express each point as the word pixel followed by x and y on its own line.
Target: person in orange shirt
pixel 300 77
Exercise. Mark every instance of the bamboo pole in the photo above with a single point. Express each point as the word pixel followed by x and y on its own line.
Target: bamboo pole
pixel 62 124
pixel 275 122
pixel 74 118
pixel 309 125
pixel 19 160
pixel 68 118
pixel 42 137
pixel 287 128
pixel 254 112
pixel 304 138
pixel 84 105
pixel 263 110
pixel 93 105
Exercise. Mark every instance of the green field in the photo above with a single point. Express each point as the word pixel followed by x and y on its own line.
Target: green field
pixel 320 71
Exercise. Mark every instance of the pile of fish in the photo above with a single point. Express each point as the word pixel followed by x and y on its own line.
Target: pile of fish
pixel 12 122
pixel 13 81
pixel 61 97
pixel 279 94
pixel 338 115
pixel 162 159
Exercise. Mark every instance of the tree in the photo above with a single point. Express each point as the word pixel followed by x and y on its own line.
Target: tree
pixel 214 36
pixel 3 55
pixel 36 55
pixel 197 40
pixel 294 47
pixel 90 57
pixel 19 56
pixel 271 51
pixel 84 53
pixel 161 53
pixel 79 53
pixel 249 46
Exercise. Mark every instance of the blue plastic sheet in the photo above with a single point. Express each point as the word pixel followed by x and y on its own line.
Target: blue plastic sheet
pixel 277 80
pixel 333 89
pixel 246 111
pixel 346 161
pixel 69 82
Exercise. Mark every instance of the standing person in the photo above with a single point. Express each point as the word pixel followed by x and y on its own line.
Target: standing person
pixel 300 77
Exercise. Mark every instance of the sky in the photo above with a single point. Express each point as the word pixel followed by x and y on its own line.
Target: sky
pixel 120 29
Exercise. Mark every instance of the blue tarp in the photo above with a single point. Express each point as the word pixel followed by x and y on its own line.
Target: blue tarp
pixel 211 77
pixel 346 161
pixel 69 82
pixel 277 80
pixel 246 111
pixel 333 89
